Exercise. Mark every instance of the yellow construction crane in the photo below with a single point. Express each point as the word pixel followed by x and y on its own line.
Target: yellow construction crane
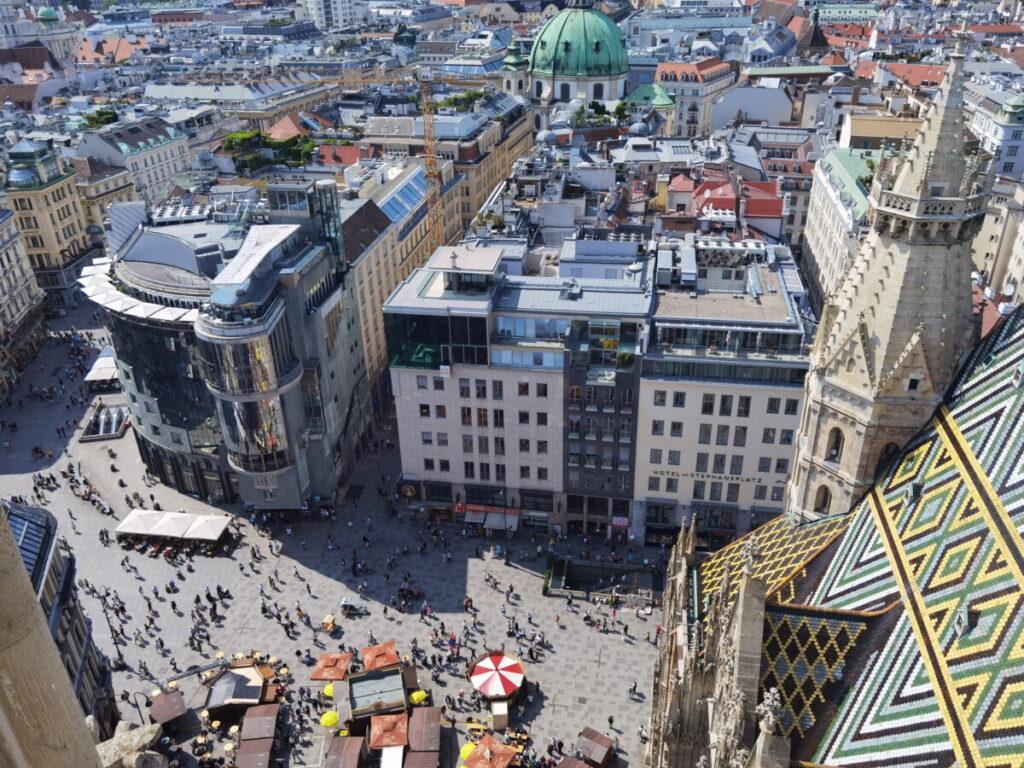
pixel 359 78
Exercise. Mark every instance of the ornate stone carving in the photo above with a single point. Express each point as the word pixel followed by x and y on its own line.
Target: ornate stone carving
pixel 768 711
pixel 751 554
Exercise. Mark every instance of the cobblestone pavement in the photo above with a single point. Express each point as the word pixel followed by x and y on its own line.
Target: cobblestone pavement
pixel 584 678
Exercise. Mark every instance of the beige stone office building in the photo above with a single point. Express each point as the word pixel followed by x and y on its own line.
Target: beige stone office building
pixel 385 236
pixel 48 214
pixel 721 393
pixel 99 185
pixel 22 327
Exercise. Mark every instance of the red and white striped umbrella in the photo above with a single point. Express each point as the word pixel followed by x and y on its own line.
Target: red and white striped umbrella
pixel 497 675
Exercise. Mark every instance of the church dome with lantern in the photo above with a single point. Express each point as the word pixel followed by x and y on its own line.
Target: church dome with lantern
pixel 580 53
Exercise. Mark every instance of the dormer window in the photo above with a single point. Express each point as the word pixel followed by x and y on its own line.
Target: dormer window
pixel 597 46
pixel 566 46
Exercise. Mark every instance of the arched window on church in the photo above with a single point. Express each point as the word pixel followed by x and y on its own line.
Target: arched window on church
pixel 822 500
pixel 598 91
pixel 834 449
pixel 539 88
pixel 519 89
pixel 563 92
pixel 508 85
pixel 886 457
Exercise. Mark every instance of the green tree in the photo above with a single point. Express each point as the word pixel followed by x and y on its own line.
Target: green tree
pixel 101 117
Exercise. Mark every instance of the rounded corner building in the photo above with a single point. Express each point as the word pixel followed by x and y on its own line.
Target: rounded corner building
pixel 232 341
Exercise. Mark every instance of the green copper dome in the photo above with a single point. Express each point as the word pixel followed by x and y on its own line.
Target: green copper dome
pixel 579 42
pixel 48 14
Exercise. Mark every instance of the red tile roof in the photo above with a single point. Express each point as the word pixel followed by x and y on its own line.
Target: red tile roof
pixel 338 154
pixel 701 71
pixel 995 29
pixel 917 75
pixel 682 183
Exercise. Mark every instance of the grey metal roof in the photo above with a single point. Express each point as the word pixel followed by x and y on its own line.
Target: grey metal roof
pixel 34 530
pixel 595 297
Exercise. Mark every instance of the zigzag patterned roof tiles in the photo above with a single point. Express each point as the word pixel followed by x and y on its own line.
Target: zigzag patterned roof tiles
pixel 928 572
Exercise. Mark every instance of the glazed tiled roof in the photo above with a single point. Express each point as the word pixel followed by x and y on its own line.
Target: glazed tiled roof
pixel 784 550
pixel 931 564
pixel 803 655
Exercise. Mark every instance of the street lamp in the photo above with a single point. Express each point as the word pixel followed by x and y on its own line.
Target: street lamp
pixel 135 701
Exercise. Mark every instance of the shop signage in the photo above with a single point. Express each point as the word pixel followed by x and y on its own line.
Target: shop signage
pixel 463 508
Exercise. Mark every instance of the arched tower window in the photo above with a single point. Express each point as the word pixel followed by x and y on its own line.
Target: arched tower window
pixel 519 88
pixel 598 91
pixel 822 500
pixel 834 449
pixel 886 457
pixel 538 88
pixel 563 92
pixel 508 85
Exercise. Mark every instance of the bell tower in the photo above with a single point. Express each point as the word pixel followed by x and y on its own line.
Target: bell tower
pixel 896 331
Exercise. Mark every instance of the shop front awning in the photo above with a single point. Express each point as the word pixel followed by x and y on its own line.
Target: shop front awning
pixel 497 521
pixel 474 516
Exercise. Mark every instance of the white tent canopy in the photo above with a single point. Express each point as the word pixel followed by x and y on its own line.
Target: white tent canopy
pixel 104 369
pixel 174 525
pixel 208 527
pixel 139 522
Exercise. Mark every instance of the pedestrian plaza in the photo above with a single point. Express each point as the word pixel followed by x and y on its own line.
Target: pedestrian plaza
pixel 585 675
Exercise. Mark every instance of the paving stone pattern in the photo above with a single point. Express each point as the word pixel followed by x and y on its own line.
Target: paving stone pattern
pixel 584 679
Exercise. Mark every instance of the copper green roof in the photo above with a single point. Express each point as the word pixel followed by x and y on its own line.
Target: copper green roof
pixel 579 42
pixel 652 94
pixel 513 57
pixel 1012 112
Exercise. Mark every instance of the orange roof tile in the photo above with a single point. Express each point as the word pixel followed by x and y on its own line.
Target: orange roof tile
pixel 697 71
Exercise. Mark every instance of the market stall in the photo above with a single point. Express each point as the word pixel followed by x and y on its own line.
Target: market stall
pixel 380 656
pixel 332 666
pixel 165 708
pixel 260 722
pixel 594 748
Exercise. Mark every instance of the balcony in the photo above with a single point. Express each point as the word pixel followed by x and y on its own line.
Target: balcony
pixel 574 434
pixel 262 464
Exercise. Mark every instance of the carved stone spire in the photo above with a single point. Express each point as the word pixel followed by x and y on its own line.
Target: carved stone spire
pixel 936 164
pixel 898 328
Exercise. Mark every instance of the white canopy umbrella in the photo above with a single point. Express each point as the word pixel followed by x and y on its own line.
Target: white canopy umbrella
pixel 173 524
pixel 208 527
pixel 139 522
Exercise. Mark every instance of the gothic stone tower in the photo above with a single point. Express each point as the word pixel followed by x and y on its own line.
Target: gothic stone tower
pixel 894 334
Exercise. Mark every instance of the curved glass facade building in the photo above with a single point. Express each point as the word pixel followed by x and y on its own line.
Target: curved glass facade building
pixel 239 356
